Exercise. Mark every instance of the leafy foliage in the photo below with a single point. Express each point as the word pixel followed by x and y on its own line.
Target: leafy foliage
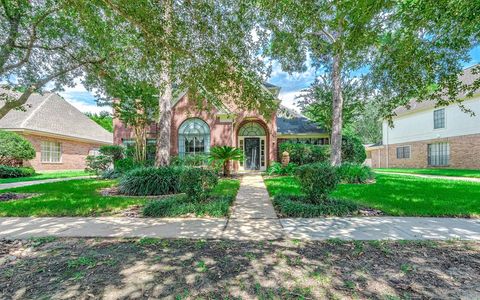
pixel 301 154
pixel 353 149
pixel 14 148
pixel 278 169
pixel 224 155
pixel 151 181
pixel 317 181
pixel 14 172
pixel 298 206
pixel 116 152
pixel 103 119
pixel 354 173
pixel 197 183
pixel 217 205
pixel 98 164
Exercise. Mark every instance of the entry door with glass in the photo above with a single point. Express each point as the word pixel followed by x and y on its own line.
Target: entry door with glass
pixel 252 153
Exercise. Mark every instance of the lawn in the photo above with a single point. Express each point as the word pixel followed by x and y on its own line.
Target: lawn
pixel 46 175
pixel 49 268
pixel 438 172
pixel 81 198
pixel 66 198
pixel 399 195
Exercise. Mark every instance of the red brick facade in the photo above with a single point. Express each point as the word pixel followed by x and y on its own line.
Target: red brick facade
pixel 223 128
pixel 464 153
pixel 72 157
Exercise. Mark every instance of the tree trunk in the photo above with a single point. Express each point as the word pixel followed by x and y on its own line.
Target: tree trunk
pixel 226 168
pixel 337 120
pixel 165 98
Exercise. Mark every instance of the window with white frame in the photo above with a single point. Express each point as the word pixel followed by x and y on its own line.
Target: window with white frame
pixel 403 152
pixel 438 154
pixel 51 152
pixel 439 118
pixel 193 137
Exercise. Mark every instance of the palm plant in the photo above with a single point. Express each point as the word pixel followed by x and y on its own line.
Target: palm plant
pixel 225 154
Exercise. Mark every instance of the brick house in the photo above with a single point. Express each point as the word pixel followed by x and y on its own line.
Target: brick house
pixel 61 135
pixel 427 136
pixel 194 131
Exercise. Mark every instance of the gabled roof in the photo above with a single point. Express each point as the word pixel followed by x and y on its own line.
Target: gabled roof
pixel 49 113
pixel 291 122
pixel 467 78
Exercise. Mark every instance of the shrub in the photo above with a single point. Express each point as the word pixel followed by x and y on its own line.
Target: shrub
pixel 277 169
pixel 116 152
pixel 354 173
pixel 353 149
pixel 150 181
pixel 197 183
pixel 180 205
pixel 296 206
pixel 125 164
pixel 317 181
pixel 225 154
pixel 301 154
pixel 14 172
pixel 197 160
pixel 98 163
pixel 14 148
pixel 111 174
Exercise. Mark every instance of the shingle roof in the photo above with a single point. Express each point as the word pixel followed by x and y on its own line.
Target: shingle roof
pixel 467 78
pixel 291 122
pixel 50 113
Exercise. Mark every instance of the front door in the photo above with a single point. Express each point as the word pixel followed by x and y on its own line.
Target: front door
pixel 252 153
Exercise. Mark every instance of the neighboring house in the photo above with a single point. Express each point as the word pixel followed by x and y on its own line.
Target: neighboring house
pixel 61 135
pixel 427 136
pixel 194 131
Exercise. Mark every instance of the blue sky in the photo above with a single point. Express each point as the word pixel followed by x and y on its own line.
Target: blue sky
pixel 291 85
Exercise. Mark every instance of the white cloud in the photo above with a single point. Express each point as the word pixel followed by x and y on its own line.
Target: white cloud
pixel 288 99
pixel 85 106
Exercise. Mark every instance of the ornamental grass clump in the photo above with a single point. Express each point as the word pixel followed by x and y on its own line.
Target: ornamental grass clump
pixel 151 181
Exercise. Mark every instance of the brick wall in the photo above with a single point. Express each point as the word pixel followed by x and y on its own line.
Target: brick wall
pixel 73 154
pixel 464 153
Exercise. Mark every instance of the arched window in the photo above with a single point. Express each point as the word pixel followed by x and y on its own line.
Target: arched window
pixel 251 129
pixel 193 137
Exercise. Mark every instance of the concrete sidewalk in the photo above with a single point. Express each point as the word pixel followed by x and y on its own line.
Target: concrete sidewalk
pixel 253 216
pixel 455 178
pixel 11 185
pixel 365 228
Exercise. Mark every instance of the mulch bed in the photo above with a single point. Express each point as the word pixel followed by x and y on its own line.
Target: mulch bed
pixel 15 196
pixel 188 269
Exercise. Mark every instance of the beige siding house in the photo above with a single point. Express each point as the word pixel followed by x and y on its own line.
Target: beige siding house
pixel 61 135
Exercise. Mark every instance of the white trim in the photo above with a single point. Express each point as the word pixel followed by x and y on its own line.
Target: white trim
pixel 56 135
pixel 265 152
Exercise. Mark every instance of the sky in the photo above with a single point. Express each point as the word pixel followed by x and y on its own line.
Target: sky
pixel 290 84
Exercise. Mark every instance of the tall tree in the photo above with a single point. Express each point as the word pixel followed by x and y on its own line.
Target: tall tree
pixel 103 119
pixel 316 101
pixel 406 48
pixel 41 43
pixel 203 47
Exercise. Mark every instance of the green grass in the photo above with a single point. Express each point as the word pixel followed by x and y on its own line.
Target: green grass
pixel 46 175
pixel 399 195
pixel 217 205
pixel 67 198
pixel 438 172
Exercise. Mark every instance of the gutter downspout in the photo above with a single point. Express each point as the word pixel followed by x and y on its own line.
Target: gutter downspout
pixel 388 142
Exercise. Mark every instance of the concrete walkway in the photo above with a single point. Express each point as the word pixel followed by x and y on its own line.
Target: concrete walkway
pixel 253 216
pixel 11 185
pixel 455 178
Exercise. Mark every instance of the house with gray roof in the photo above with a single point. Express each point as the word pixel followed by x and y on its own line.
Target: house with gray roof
pixel 61 135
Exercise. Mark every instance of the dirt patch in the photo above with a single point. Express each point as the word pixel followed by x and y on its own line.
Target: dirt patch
pixel 186 269
pixel 16 196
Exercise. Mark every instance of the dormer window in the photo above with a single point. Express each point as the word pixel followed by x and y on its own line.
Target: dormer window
pixel 439 118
